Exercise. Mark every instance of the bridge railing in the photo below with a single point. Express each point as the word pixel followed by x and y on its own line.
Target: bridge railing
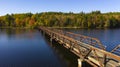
pixel 85 39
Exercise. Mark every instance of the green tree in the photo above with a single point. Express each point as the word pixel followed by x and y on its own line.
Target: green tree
pixel 9 20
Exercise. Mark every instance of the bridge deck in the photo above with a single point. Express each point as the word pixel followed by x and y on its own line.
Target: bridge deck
pixel 87 48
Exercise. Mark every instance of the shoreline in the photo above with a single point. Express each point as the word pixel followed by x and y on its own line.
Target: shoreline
pixel 55 27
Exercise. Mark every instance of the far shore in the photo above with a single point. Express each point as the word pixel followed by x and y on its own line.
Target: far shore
pixel 15 28
pixel 55 27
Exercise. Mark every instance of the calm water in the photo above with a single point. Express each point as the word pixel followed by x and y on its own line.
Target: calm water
pixel 109 37
pixel 29 48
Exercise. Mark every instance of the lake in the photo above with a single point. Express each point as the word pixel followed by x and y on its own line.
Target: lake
pixel 30 48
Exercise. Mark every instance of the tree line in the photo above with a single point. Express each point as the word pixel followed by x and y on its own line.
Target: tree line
pixel 94 19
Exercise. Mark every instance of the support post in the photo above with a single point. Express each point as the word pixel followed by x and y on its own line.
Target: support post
pixel 51 38
pixel 119 63
pixel 80 62
pixel 105 60
pixel 43 33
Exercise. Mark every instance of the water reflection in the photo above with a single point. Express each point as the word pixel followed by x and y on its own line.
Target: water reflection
pixel 25 48
pixel 67 58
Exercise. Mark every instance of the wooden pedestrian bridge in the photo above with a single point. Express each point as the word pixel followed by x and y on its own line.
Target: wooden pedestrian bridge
pixel 88 49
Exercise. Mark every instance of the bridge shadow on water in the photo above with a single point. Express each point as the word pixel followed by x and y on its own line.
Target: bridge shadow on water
pixel 65 56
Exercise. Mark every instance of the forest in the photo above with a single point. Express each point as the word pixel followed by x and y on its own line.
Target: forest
pixel 94 19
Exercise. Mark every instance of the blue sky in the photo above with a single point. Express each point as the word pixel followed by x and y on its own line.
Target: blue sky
pixel 76 6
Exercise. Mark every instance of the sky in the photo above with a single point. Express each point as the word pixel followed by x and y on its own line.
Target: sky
pixel 76 6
